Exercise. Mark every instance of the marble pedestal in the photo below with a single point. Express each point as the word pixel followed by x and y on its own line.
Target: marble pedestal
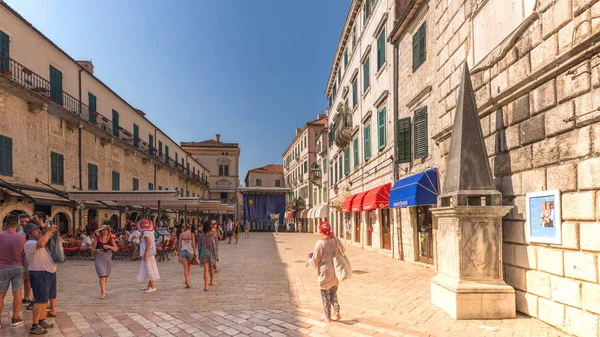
pixel 468 257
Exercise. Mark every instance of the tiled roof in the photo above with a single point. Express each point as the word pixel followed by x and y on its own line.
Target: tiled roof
pixel 271 168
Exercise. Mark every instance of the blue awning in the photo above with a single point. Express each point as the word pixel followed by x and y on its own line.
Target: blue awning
pixel 416 190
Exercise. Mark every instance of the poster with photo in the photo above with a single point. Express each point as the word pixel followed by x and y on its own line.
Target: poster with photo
pixel 543 217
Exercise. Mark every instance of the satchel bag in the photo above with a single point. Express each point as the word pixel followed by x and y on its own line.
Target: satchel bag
pixel 194 261
pixel 341 263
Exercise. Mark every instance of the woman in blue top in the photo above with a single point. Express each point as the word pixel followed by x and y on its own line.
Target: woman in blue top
pixel 207 252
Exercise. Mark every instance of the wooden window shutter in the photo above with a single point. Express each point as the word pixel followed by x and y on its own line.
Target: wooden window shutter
pixel 92 107
pixel 421 137
pixel 381 128
pixel 115 123
pixel 404 140
pixel 5 156
pixel 4 43
pixel 381 49
pixel 366 75
pixel 423 44
pixel 355 144
pixel 347 160
pixel 415 51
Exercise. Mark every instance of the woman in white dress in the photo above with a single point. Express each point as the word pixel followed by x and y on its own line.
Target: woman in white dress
pixel 148 268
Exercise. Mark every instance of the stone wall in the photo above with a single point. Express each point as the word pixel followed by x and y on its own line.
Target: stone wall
pixel 537 98
pixel 267 179
pixel 35 135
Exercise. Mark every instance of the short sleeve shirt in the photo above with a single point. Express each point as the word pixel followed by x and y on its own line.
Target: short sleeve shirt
pixel 38 259
pixel 11 249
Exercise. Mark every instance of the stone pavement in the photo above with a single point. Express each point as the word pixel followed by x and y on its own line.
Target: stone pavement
pixel 263 289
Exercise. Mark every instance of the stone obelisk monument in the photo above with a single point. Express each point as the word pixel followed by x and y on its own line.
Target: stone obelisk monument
pixel 468 225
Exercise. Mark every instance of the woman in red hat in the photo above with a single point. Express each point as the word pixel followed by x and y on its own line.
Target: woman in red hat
pixel 148 269
pixel 322 259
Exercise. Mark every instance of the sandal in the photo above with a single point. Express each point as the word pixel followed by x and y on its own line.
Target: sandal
pixel 49 314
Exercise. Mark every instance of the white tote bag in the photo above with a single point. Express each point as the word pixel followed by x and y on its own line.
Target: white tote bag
pixel 343 269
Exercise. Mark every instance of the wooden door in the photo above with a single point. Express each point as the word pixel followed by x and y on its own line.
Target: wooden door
pixel 425 234
pixel 386 229
pixel 357 227
pixel 369 228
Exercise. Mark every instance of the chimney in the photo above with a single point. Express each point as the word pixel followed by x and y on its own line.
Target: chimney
pixel 321 116
pixel 87 65
pixel 218 138
pixel 298 130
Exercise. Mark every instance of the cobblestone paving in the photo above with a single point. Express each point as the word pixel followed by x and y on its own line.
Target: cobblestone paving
pixel 263 289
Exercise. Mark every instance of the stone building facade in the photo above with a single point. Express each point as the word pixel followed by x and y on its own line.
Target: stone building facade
pixel 64 129
pixel 298 158
pixel 535 69
pixel 361 126
pixel 223 161
pixel 267 176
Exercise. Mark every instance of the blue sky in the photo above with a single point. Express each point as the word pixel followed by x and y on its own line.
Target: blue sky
pixel 251 70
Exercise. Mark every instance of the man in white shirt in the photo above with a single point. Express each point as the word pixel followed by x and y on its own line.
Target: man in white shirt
pixel 42 275
pixel 88 243
pixel 229 229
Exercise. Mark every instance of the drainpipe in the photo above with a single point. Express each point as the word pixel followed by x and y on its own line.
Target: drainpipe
pixel 396 170
pixel 79 153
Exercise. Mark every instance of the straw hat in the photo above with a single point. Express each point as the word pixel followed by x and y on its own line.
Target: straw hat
pixel 101 228
pixel 145 225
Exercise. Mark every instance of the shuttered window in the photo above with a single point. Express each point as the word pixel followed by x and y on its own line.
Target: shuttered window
pixel 367 142
pixel 339 75
pixel 151 145
pixel 381 49
pixel 115 123
pixel 347 160
pixel 136 184
pixel 136 135
pixel 355 149
pixel 176 158
pixel 419 47
pixel 345 58
pixel 366 75
pixel 160 152
pixel 334 90
pixel 6 162
pixel 92 107
pixel 335 173
pixel 57 168
pixel 354 93
pixel 150 187
pixel 404 140
pixel 367 10
pixel 381 128
pixel 92 177
pixel 4 51
pixel 421 137
pixel 56 86
pixel 116 181
pixel 341 167
pixel 167 152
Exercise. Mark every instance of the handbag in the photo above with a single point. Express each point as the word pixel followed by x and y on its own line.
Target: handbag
pixel 341 263
pixel 55 248
pixel 194 261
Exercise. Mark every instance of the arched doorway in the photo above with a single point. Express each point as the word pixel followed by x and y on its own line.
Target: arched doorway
pixel 13 212
pixel 61 220
pixel 114 222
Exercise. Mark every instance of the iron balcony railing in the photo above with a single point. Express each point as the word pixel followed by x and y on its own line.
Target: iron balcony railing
pixel 38 85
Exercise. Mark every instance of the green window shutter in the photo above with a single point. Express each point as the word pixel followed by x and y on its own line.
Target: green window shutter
pixel 136 135
pixel 404 140
pixel 334 90
pixel 347 160
pixel 345 58
pixel 354 93
pixel 367 142
pixel 115 123
pixel 421 137
pixel 6 156
pixel 355 148
pixel 116 177
pixel 151 187
pixel 136 184
pixel 160 152
pixel 167 152
pixel 366 75
pixel 4 45
pixel 381 128
pixel 57 168
pixel 341 168
pixel 339 75
pixel 381 49
pixel 335 173
pixel 419 47
pixel 151 145
pixel 92 107
pixel 56 92
pixel 92 177
pixel 176 158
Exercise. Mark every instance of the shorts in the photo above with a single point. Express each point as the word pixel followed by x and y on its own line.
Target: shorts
pixel 43 285
pixel 184 254
pixel 12 275
pixel 229 233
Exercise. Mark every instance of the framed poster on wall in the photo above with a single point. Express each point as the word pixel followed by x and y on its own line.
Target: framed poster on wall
pixel 543 217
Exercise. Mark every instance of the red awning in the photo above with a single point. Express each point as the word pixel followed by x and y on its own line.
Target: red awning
pixel 376 198
pixel 357 202
pixel 347 206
